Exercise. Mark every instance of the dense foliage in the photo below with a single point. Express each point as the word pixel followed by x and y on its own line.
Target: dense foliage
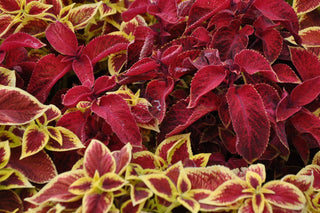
pixel 159 106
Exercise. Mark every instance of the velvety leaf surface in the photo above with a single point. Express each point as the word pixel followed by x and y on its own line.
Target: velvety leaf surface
pixel 286 74
pixel 122 158
pixel 62 39
pixel 116 112
pixel 84 70
pixel 95 202
pixel 306 92
pixel 18 106
pixel 205 80
pixel 47 72
pixel 76 94
pixel 38 168
pixel 57 189
pixel 21 39
pixel 249 120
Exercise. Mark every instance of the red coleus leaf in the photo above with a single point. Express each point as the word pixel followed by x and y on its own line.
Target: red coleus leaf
pixel 205 80
pixel 144 65
pixel 303 6
pixel 252 62
pixel 130 207
pixel 280 12
pixel 285 74
pixel 38 168
pixel 98 158
pixel 4 153
pixel 75 95
pixel 116 112
pixel 122 158
pixel 47 72
pixel 84 70
pixel 20 40
pixel 9 6
pixel 6 22
pixel 62 39
pixel 7 77
pixel 306 122
pixel 249 120
pixel 13 179
pixel 58 189
pixel 81 15
pixel 180 116
pixel 102 46
pixel 18 106
pixel 103 84
pixel 307 64
pixel 97 202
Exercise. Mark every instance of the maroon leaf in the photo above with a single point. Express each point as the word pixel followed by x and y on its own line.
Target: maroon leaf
pixel 306 92
pixel 285 74
pixel 157 92
pixel 205 80
pixel 97 202
pixel 47 72
pixel 20 39
pixel 137 7
pixel 116 112
pixel 38 168
pixel 249 120
pixel 82 66
pixel 18 106
pixel 307 64
pixel 62 39
pixel 180 116
pixel 76 94
pixel 104 83
pixel 10 202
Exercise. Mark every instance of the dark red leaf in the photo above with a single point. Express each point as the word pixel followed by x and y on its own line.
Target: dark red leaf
pixel 76 94
pixel 306 92
pixel 205 80
pixel 249 120
pixel 10 202
pixel 116 112
pixel 137 7
pixel 82 66
pixel 103 84
pixel 286 74
pixel 21 39
pixel 62 39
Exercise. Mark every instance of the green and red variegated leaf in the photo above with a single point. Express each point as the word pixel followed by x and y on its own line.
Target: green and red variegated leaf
pixel 33 26
pixel 310 36
pixel 161 185
pixel 34 140
pixel 200 160
pixel 189 203
pixel 146 159
pixel 307 64
pixel 14 140
pixel 69 141
pixel 36 8
pixel 313 171
pixel 62 39
pixel 18 106
pixel 285 195
pixel 103 46
pixel 228 193
pixel 6 22
pixel 15 180
pixel 205 80
pixel 180 116
pixel 209 178
pixel 94 202
pixel 166 145
pixel 122 158
pixel 5 174
pixel 56 6
pixel 130 207
pixel 251 62
pixel 10 6
pixel 303 182
pixel 49 69
pixel 116 112
pixel 10 202
pixel 58 189
pixel 82 66
pixel 253 180
pixel 21 40
pixel 4 153
pixel 258 169
pixel 81 186
pixel 7 77
pixel 303 6
pixel 286 74
pixel 157 92
pixel 249 207
pixel 116 62
pixel 316 159
pixel 183 184
pixel 38 168
pixel 111 182
pixel 173 173
pixel 249 120
pixel 180 151
pixel 98 158
pixel 51 114
pixel 81 15
pixel 139 195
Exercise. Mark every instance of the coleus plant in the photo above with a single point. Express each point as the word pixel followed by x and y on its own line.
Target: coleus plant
pixel 129 81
